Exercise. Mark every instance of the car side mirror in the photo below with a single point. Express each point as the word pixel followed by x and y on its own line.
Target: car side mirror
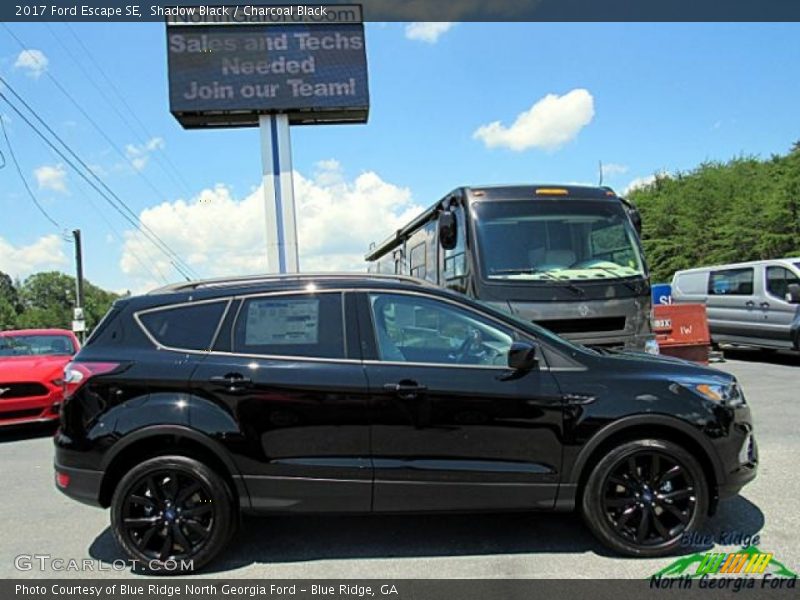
pixel 793 295
pixel 522 356
pixel 448 233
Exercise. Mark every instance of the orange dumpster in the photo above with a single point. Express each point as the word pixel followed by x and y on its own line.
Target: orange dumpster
pixel 682 331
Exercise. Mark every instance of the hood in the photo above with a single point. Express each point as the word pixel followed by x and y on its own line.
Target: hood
pixel 659 363
pixel 31 368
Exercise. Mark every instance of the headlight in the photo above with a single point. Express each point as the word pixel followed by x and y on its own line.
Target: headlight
pixel 729 395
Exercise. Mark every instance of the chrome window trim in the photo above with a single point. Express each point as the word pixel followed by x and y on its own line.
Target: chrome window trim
pixel 543 366
pixel 166 307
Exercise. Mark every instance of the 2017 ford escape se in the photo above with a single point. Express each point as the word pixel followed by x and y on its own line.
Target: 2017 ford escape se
pixel 368 393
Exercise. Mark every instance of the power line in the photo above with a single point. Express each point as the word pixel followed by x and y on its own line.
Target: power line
pixel 24 180
pixel 164 247
pixel 155 274
pixel 172 172
pixel 75 168
pixel 131 111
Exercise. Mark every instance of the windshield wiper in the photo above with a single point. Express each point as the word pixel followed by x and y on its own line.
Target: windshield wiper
pixel 628 284
pixel 547 275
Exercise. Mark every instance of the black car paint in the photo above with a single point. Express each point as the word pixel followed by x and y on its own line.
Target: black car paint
pixel 313 435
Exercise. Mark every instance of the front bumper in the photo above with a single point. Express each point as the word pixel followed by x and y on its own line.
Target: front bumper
pixel 745 471
pixel 34 409
pixel 737 452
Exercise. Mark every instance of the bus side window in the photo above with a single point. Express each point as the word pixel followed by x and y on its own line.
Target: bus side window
pixel 455 260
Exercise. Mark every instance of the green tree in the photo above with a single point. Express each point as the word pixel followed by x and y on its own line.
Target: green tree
pixel 48 300
pixel 9 302
pixel 745 209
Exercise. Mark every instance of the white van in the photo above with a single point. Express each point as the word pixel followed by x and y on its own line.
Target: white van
pixel 754 303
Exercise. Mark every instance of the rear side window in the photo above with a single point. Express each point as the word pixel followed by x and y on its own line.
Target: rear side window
pixel 307 325
pixel 731 282
pixel 187 327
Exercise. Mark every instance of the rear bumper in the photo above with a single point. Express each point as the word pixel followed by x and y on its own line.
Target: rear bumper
pixel 82 485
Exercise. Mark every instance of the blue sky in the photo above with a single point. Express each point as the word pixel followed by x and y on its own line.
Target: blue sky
pixel 643 98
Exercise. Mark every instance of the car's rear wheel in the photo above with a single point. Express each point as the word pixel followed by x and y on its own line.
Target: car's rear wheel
pixel 643 495
pixel 172 514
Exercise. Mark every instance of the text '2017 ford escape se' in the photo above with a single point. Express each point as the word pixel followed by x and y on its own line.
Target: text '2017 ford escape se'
pixel 357 393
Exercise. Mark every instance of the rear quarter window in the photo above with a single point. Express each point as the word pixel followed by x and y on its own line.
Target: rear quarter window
pixel 185 327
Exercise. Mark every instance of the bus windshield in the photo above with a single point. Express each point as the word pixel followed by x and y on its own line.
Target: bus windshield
pixel 557 240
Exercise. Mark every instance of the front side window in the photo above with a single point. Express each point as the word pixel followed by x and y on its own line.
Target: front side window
pixel 778 281
pixel 307 325
pixel 731 282
pixel 550 239
pixel 411 328
pixel 36 345
pixel 187 327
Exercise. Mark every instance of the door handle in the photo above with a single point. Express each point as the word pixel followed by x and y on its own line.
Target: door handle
pixel 406 390
pixel 233 381
pixel 764 305
pixel 749 304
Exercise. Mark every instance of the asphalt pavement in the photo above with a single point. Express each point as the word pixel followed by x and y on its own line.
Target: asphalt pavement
pixel 39 521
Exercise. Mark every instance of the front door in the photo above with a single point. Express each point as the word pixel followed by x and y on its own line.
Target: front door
pixel 297 400
pixel 778 314
pixel 453 427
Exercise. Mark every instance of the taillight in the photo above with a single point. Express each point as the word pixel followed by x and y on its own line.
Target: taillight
pixel 62 479
pixel 78 373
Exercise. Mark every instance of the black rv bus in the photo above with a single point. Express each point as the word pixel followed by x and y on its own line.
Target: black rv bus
pixel 567 257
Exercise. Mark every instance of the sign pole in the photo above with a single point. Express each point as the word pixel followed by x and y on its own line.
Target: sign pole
pixel 278 186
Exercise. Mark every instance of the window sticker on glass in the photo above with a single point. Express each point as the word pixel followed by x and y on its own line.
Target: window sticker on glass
pixel 282 322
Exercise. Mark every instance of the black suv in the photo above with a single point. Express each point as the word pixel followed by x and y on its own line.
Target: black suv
pixel 355 393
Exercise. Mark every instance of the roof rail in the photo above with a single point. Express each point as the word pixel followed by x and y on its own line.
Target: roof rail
pixel 242 280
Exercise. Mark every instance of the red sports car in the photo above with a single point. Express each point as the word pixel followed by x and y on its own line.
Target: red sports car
pixel 32 365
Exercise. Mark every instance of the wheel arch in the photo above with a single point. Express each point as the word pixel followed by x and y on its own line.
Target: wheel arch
pixel 162 440
pixel 647 427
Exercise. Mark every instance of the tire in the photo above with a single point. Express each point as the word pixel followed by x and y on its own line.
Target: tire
pixel 172 515
pixel 672 490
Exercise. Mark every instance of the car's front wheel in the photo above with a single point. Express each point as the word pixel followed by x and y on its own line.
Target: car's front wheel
pixel 172 514
pixel 643 495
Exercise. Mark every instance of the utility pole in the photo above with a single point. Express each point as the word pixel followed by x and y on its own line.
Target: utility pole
pixel 78 322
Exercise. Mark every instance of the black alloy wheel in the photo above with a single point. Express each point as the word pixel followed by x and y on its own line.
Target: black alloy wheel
pixel 644 495
pixel 172 514
pixel 649 498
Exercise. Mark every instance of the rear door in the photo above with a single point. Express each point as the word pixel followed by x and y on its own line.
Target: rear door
pixel 453 427
pixel 289 374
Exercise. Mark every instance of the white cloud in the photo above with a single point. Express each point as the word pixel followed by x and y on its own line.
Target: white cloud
pixel 46 253
pixel 549 124
pixel 139 154
pixel 428 32
pixel 51 177
pixel 612 169
pixel 34 62
pixel 219 234
pixel 643 182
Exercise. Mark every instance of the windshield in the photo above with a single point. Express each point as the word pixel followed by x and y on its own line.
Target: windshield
pixel 556 240
pixel 35 345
